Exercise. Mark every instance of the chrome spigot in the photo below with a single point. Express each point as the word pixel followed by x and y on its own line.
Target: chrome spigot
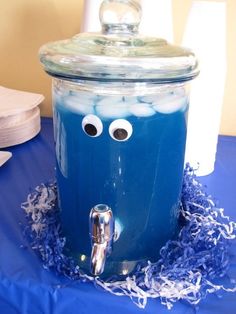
pixel 102 234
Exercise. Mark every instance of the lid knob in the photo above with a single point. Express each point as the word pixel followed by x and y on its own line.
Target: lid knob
pixel 120 16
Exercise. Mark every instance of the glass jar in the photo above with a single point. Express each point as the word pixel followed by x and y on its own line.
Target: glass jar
pixel 120 102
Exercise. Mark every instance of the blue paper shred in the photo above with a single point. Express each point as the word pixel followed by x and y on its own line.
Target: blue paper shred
pixel 188 268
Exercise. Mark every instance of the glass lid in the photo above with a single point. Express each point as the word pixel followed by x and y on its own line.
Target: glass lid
pixel 119 52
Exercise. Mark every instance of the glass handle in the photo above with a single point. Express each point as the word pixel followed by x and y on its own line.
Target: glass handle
pixel 120 16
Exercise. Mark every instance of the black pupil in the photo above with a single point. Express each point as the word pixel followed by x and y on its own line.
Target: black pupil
pixel 120 134
pixel 90 129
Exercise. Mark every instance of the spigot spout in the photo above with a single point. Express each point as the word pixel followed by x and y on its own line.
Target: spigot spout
pixel 102 234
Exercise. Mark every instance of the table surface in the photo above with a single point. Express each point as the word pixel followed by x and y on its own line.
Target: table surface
pixel 26 287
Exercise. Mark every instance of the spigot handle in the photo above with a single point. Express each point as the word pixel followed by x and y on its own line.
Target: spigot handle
pixel 98 258
pixel 102 235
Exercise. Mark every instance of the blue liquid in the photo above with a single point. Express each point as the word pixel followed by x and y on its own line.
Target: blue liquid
pixel 140 179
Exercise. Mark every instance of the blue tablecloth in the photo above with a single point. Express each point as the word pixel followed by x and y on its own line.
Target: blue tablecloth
pixel 26 287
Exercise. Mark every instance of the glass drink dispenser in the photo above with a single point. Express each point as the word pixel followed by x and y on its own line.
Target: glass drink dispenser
pixel 120 101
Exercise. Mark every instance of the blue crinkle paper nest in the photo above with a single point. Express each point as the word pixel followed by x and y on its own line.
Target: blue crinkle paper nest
pixel 188 268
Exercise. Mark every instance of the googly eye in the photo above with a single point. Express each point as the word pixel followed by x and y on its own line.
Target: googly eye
pixel 120 130
pixel 92 125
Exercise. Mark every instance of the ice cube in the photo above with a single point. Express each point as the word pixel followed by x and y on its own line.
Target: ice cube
pixel 149 99
pixel 141 110
pixel 80 104
pixel 154 98
pixel 131 100
pixel 110 100
pixel 118 110
pixel 113 107
pixel 170 103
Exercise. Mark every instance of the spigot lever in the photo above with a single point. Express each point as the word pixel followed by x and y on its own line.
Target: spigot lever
pixel 102 234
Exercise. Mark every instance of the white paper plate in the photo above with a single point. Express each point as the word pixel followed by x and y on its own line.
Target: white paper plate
pixel 22 131
pixel 4 156
pixel 13 102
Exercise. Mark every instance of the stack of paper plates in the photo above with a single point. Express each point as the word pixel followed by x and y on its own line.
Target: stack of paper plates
pixel 19 116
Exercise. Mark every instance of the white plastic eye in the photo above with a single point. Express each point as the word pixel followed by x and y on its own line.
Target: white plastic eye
pixel 92 125
pixel 120 130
